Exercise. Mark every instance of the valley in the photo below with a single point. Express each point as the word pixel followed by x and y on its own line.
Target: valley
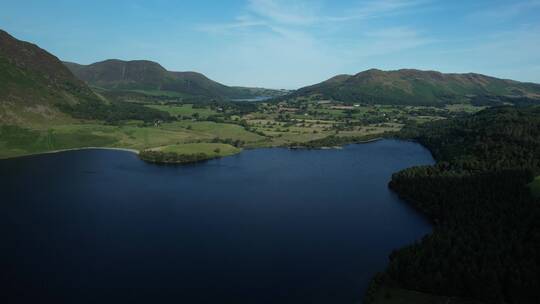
pixel 480 195
pixel 279 124
pixel 49 105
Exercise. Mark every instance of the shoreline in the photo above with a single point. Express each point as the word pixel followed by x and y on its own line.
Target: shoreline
pixel 337 147
pixel 137 152
pixel 73 149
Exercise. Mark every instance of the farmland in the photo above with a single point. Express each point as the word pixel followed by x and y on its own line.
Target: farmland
pixel 242 125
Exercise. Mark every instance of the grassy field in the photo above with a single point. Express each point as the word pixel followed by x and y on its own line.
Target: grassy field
pixel 271 125
pixel 33 116
pixel 211 149
pixel 535 187
pixel 467 108
pixel 17 141
pixel 265 128
pixel 185 110
pixel 209 130
pixel 159 93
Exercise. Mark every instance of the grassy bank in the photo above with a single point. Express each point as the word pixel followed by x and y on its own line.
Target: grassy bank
pixel 18 141
pixel 210 149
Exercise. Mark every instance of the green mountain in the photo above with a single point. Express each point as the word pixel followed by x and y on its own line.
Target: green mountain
pixel 33 83
pixel 150 78
pixel 417 87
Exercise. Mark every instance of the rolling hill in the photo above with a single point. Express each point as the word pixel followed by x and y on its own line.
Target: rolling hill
pixel 147 77
pixel 33 83
pixel 417 87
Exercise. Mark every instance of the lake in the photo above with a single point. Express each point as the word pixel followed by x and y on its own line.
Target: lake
pixel 264 226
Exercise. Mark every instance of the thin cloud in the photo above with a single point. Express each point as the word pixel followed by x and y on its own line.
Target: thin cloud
pixel 376 9
pixel 298 12
pixel 389 40
pixel 241 22
pixel 506 12
pixel 294 12
pixel 304 14
pixel 292 36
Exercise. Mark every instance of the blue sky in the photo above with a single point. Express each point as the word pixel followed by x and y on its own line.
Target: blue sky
pixel 288 43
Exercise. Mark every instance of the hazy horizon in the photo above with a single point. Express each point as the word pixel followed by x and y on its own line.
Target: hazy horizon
pixel 289 44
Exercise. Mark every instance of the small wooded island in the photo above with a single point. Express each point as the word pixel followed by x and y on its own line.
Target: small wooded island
pixel 188 153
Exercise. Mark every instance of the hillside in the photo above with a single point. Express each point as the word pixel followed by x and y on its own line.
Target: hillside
pixel 151 78
pixel 485 243
pixel 33 83
pixel 415 87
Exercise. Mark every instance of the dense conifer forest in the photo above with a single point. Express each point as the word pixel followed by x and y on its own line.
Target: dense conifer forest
pixel 486 240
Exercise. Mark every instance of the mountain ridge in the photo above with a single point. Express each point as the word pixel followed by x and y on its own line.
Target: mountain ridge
pixel 25 58
pixel 116 74
pixel 33 82
pixel 416 87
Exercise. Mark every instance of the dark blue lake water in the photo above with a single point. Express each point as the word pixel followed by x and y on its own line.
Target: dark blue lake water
pixel 265 226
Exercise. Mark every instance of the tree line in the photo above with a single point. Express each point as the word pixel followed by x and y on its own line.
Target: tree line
pixel 114 112
pixel 333 141
pixel 160 157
